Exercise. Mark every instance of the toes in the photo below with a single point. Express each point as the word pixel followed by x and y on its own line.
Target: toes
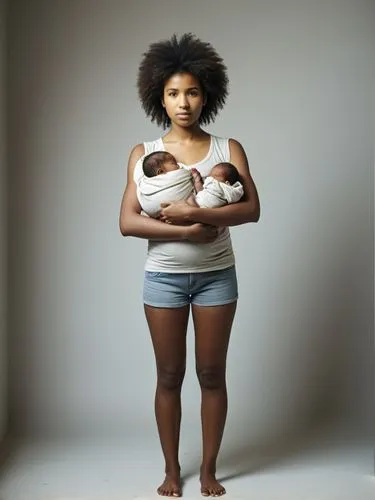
pixel 166 492
pixel 213 492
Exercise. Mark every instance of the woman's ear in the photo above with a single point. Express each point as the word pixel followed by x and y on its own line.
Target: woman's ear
pixel 162 103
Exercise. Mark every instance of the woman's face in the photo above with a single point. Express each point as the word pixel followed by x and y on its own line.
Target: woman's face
pixel 183 99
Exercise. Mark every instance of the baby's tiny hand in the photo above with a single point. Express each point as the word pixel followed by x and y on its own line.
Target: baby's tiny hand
pixel 197 179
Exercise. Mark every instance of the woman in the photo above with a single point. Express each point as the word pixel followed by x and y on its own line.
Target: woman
pixel 182 84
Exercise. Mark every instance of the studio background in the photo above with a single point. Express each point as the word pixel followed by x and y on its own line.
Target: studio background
pixel 80 361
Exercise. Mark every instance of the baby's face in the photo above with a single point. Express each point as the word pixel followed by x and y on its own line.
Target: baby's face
pixel 169 165
pixel 219 174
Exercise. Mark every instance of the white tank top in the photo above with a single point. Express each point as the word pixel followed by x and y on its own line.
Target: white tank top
pixel 184 256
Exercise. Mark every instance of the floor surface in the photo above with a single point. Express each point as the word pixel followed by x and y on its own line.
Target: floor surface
pixel 314 467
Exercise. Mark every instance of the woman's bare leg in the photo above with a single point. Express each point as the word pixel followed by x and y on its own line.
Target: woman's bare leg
pixel 212 332
pixel 168 332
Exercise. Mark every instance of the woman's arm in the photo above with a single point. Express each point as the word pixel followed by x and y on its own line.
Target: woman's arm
pixel 246 210
pixel 132 223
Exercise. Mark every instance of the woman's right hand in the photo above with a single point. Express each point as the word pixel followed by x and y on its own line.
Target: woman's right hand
pixel 201 233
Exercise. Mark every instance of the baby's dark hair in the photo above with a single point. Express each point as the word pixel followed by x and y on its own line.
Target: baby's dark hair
pixel 153 161
pixel 185 55
pixel 231 172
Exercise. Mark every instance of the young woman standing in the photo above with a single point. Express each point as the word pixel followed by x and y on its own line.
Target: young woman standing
pixel 182 85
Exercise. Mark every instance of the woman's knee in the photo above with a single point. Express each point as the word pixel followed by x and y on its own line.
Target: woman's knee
pixel 211 378
pixel 170 379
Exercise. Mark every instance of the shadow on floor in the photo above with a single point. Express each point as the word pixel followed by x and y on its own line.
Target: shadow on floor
pixel 249 458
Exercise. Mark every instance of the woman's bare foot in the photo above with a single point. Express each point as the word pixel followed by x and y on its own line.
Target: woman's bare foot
pixel 171 486
pixel 210 486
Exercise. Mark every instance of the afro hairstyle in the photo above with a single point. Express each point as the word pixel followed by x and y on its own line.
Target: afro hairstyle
pixel 185 55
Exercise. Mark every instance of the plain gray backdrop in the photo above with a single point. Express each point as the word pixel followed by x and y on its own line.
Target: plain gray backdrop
pixel 301 104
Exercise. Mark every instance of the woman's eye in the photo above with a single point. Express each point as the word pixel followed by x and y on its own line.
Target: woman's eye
pixel 172 94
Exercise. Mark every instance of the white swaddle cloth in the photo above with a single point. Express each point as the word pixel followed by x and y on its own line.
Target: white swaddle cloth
pixel 216 194
pixel 152 191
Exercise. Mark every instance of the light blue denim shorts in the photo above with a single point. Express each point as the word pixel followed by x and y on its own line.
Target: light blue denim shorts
pixel 211 288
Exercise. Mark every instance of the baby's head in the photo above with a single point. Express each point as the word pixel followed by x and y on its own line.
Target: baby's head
pixel 159 162
pixel 225 172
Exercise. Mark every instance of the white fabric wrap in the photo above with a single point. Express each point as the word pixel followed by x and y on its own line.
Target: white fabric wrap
pixel 216 194
pixel 152 191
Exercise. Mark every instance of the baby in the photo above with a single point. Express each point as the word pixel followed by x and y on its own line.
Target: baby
pixel 159 162
pixel 221 187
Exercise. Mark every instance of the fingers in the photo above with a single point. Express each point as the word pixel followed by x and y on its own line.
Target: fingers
pixel 164 218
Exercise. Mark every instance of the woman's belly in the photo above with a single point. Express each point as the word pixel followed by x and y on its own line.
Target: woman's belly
pixel 187 257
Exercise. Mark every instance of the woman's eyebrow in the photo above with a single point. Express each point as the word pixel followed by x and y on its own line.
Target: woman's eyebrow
pixel 189 88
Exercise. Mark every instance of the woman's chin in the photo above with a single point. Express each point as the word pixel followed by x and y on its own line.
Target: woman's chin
pixel 184 123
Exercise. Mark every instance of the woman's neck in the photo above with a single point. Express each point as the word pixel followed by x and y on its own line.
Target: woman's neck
pixel 185 134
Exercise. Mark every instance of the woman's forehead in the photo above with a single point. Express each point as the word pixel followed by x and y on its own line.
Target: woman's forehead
pixel 182 80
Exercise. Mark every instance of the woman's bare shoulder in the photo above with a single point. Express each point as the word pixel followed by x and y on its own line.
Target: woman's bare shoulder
pixel 236 145
pixel 136 152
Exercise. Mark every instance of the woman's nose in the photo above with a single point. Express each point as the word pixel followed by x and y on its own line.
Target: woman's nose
pixel 183 102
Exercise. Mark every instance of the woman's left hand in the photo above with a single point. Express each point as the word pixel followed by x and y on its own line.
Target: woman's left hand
pixel 175 212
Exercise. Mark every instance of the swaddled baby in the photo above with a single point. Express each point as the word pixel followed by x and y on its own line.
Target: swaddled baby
pixel 221 187
pixel 165 180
